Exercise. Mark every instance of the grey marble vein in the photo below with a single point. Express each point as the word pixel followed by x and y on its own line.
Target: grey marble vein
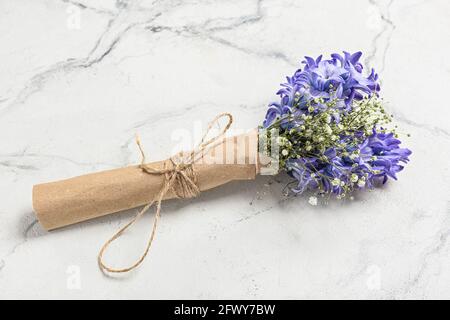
pixel 381 41
pixel 85 6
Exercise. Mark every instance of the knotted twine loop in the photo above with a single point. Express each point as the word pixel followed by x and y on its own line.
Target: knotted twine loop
pixel 179 177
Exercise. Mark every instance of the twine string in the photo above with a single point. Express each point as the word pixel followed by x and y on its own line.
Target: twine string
pixel 179 176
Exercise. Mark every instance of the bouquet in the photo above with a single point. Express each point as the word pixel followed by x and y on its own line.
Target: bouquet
pixel 329 131
pixel 333 129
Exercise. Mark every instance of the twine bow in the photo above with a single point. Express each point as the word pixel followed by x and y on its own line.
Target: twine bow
pixel 179 176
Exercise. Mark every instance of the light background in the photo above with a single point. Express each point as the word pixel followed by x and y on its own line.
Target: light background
pixel 79 79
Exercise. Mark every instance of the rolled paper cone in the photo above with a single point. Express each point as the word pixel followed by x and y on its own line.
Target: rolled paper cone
pixel 61 203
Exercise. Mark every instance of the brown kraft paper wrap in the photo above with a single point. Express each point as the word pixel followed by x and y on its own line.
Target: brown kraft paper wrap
pixel 61 203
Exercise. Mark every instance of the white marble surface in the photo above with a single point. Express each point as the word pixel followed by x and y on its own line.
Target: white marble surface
pixel 79 78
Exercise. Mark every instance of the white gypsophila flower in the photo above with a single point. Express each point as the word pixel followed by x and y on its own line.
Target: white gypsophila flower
pixel 312 201
pixel 361 183
pixel 284 152
pixel 335 182
pixel 281 140
pixel 354 177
